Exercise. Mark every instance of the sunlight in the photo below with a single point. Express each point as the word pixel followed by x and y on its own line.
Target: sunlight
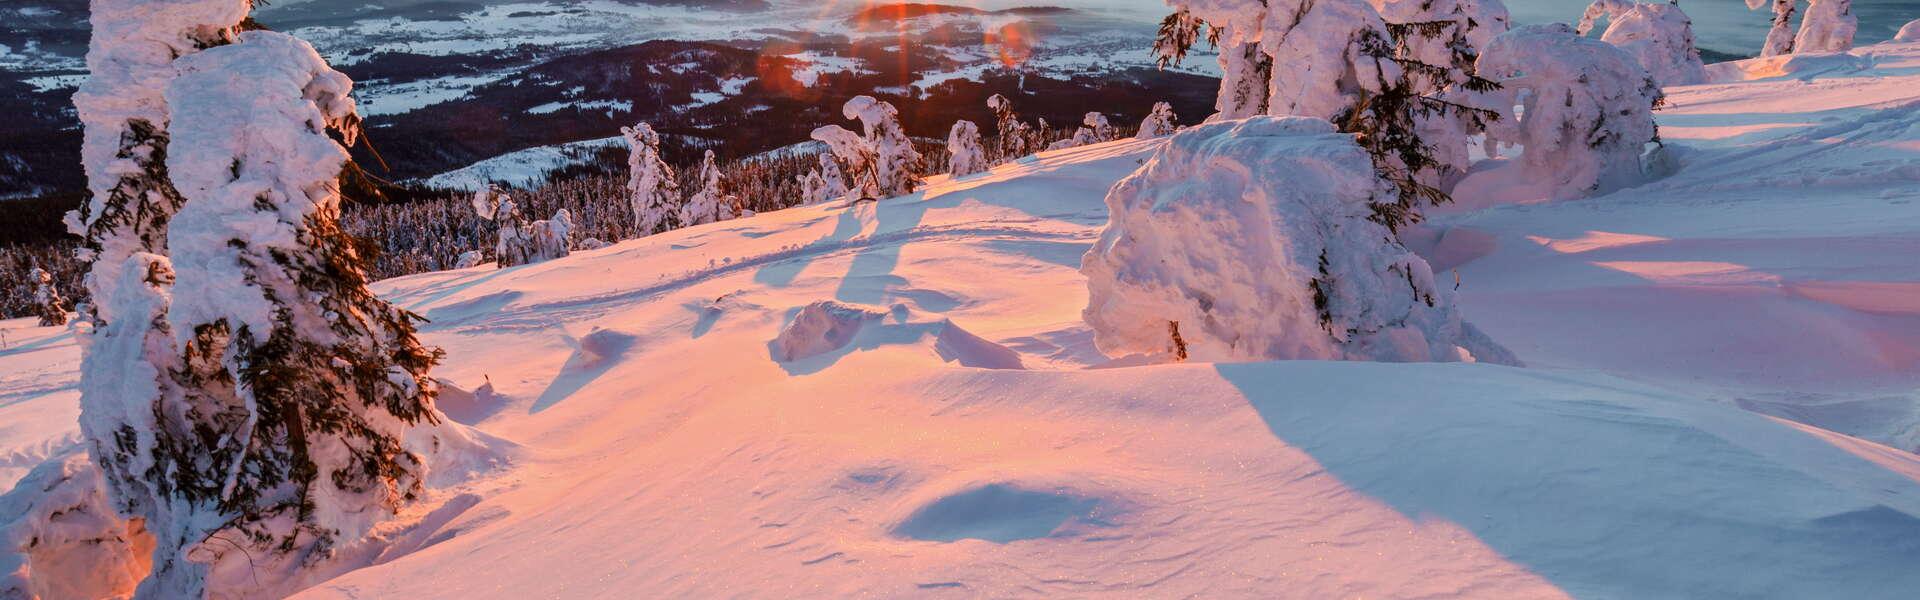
pixel 1594 240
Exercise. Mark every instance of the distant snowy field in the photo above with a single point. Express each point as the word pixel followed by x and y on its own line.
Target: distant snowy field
pixel 1722 392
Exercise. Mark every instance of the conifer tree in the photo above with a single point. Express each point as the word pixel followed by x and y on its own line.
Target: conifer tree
pixel 709 203
pixel 1015 137
pixel 1780 36
pixel 963 146
pixel 1159 123
pixel 47 302
pixel 1828 26
pixel 652 190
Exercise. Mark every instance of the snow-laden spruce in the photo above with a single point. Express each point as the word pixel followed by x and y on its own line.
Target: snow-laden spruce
pixel 1828 26
pixel 1660 38
pixel 1586 115
pixel 1160 122
pixel 883 160
pixel 1015 137
pixel 1780 36
pixel 1253 240
pixel 60 536
pixel 825 183
pixel 966 156
pixel 520 242
pixel 651 188
pixel 1458 29
pixel 124 120
pixel 47 303
pixel 297 387
pixel 1611 9
pixel 1094 128
pixel 710 203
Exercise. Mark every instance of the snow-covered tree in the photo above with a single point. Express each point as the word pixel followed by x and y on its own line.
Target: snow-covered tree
pixel 963 146
pixel 1780 36
pixel 47 302
pixel 1611 9
pixel 1159 123
pixel 297 387
pixel 1245 70
pixel 1444 33
pixel 882 161
pixel 1016 138
pixel 710 203
pixel 1586 113
pixel 512 247
pixel 552 238
pixel 825 183
pixel 651 188
pixel 1909 32
pixel 1660 38
pixel 1255 240
pixel 1828 26
pixel 1094 129
pixel 125 118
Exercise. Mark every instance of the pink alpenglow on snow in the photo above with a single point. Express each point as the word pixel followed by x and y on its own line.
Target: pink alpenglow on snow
pixel 1251 240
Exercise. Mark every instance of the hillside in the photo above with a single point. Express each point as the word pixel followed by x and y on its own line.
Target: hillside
pixel 1720 397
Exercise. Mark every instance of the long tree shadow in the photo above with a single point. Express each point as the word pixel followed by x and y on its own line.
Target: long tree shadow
pixel 1604 491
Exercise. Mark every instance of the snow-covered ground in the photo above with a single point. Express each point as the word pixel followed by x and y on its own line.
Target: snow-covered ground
pixel 948 429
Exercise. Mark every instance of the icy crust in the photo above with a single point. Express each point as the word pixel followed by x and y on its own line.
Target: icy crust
pixel 1250 240
pixel 1660 38
pixel 1586 113
pixel 61 538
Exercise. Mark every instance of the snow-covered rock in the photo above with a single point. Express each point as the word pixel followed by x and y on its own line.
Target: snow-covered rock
pixel 1251 240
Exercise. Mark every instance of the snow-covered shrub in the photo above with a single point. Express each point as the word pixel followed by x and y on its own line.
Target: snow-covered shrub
pixel 60 536
pixel 298 387
pixel 125 118
pixel 593 244
pixel 47 302
pixel 1780 36
pixel 1159 123
pixel 1660 38
pixel 1015 137
pixel 1254 240
pixel 1828 26
pixel 651 188
pixel 710 203
pixel 1909 32
pixel 963 145
pixel 1587 108
pixel 1611 9
pixel 882 161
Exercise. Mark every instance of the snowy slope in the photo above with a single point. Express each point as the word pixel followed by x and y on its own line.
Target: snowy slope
pixel 954 438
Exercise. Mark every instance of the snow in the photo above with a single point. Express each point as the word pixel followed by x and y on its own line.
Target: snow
pixel 1909 32
pixel 669 454
pixel 521 168
pixel 1660 38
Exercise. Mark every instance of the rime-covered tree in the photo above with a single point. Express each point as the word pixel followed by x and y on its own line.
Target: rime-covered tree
pixel 1444 33
pixel 963 148
pixel 710 203
pixel 1094 129
pixel 824 183
pixel 857 156
pixel 1828 26
pixel 1586 113
pixel 1015 137
pixel 883 160
pixel 47 302
pixel 1160 122
pixel 1610 9
pixel 1780 35
pixel 511 247
pixel 125 119
pixel 1660 38
pixel 297 387
pixel 1244 69
pixel 652 190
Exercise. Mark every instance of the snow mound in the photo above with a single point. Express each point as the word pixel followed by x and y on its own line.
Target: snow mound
pixel 1250 240
pixel 1909 32
pixel 1797 66
pixel 999 513
pixel 829 328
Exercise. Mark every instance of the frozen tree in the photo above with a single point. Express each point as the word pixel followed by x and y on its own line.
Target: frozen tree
pixel 1611 9
pixel 1095 128
pixel 1255 240
pixel 47 302
pixel 1015 138
pixel 1909 33
pixel 125 118
pixel 709 203
pixel 1445 33
pixel 551 238
pixel 284 438
pixel 1159 123
pixel 1828 26
pixel 1660 38
pixel 512 247
pixel 963 148
pixel 1586 113
pixel 651 188
pixel 825 183
pixel 1245 70
pixel 61 537
pixel 882 161
pixel 1780 36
